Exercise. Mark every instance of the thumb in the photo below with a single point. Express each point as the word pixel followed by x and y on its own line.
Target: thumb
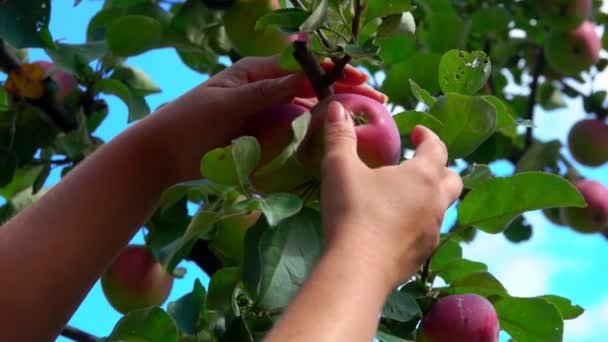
pixel 268 93
pixel 340 137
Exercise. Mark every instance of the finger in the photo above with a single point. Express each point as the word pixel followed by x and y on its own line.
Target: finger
pixel 352 75
pixel 249 70
pixel 341 88
pixel 340 137
pixel 264 94
pixel 306 103
pixel 429 147
pixel 453 186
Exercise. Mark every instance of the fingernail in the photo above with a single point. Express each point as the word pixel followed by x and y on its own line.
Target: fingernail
pixel 335 112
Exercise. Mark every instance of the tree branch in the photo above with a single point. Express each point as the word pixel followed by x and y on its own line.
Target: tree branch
pixel 539 64
pixel 77 335
pixel 313 70
pixel 357 20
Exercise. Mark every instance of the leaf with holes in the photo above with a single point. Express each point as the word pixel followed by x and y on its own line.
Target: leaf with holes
pixel 463 72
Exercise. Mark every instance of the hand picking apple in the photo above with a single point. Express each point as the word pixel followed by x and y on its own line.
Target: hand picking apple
pixel 353 148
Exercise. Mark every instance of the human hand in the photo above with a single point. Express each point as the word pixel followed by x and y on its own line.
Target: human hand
pixel 213 114
pixel 389 218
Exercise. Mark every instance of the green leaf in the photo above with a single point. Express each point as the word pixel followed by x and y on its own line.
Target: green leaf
pixel 550 97
pixel 401 307
pixel 467 122
pixel 398 24
pixel 145 325
pixel 448 251
pixel 460 268
pixel 218 166
pixel 98 25
pixel 529 319
pixel 383 8
pixel 22 179
pixel 279 206
pixel 178 191
pixel 386 337
pixel 286 19
pixel 406 122
pixel 540 156
pixel 246 154
pixel 396 49
pixel 422 95
pixel 422 68
pixel 463 72
pixel 287 61
pixel 134 34
pixel 433 32
pixel 8 165
pixel 491 21
pixel 564 306
pixel 75 58
pixel 138 108
pixel 271 272
pixel 481 283
pixel 518 231
pixel 494 204
pixel 316 18
pixel 476 175
pixel 25 23
pixel 187 310
pixel 299 127
pixel 505 123
pixel 135 79
pixel 221 289
pixel 3 100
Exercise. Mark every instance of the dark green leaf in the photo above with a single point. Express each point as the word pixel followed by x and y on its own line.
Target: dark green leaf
pixel 286 19
pixel 75 58
pixel 467 122
pixel 505 123
pixel 134 34
pixel 494 204
pixel 221 290
pixel 422 68
pixel 434 33
pixel 448 251
pixel 406 122
pixel 463 72
pixel 386 337
pixel 145 325
pixel 316 18
pixel 383 8
pixel 481 283
pixel 518 231
pixel 8 165
pixel 401 307
pixel 564 306
pixel 22 179
pixel 138 108
pixel 3 100
pixel 279 206
pixel 490 20
pixel 299 127
pixel 187 310
pixel 530 319
pixel 25 23
pixel 476 175
pixel 246 156
pixel 398 24
pixel 460 268
pixel 422 95
pixel 135 79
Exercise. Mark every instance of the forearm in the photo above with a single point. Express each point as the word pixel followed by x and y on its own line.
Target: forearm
pixel 341 301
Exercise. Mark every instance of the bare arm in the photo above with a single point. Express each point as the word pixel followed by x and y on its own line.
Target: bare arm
pixel 380 226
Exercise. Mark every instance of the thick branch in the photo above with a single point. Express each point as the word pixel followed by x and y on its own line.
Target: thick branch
pixel 539 62
pixel 313 70
pixel 77 335
pixel 337 73
pixel 357 20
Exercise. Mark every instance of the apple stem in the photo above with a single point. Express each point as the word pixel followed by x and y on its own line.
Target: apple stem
pixel 77 335
pixel 313 70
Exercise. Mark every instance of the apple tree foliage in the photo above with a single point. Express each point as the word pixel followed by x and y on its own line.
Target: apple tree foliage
pixel 472 71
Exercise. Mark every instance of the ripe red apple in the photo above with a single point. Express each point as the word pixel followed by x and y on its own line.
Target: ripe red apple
pixel 564 15
pixel 460 318
pixel 573 52
pixel 378 140
pixel 588 142
pixel 65 81
pixel 228 242
pixel 272 129
pixel 593 218
pixel 239 22
pixel 136 280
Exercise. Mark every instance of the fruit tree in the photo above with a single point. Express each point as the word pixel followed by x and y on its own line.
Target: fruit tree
pixel 474 72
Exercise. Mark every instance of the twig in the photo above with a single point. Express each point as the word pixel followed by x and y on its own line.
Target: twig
pixel 424 274
pixel 539 62
pixel 357 21
pixel 313 70
pixel 77 335
pixel 337 73
pixel 324 40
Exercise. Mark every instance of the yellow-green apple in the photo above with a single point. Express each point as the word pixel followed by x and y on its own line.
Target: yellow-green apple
pixel 564 15
pixel 378 140
pixel 136 280
pixel 272 129
pixel 66 82
pixel 588 142
pixel 240 20
pixel 460 318
pixel 228 241
pixel 593 218
pixel 573 52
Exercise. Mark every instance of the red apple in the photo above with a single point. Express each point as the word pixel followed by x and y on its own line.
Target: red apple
pixel 593 218
pixel 573 52
pixel 378 140
pixel 460 318
pixel 136 280
pixel 564 15
pixel 65 81
pixel 272 129
pixel 588 142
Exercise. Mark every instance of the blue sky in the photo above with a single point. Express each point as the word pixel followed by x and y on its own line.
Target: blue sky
pixel 556 260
